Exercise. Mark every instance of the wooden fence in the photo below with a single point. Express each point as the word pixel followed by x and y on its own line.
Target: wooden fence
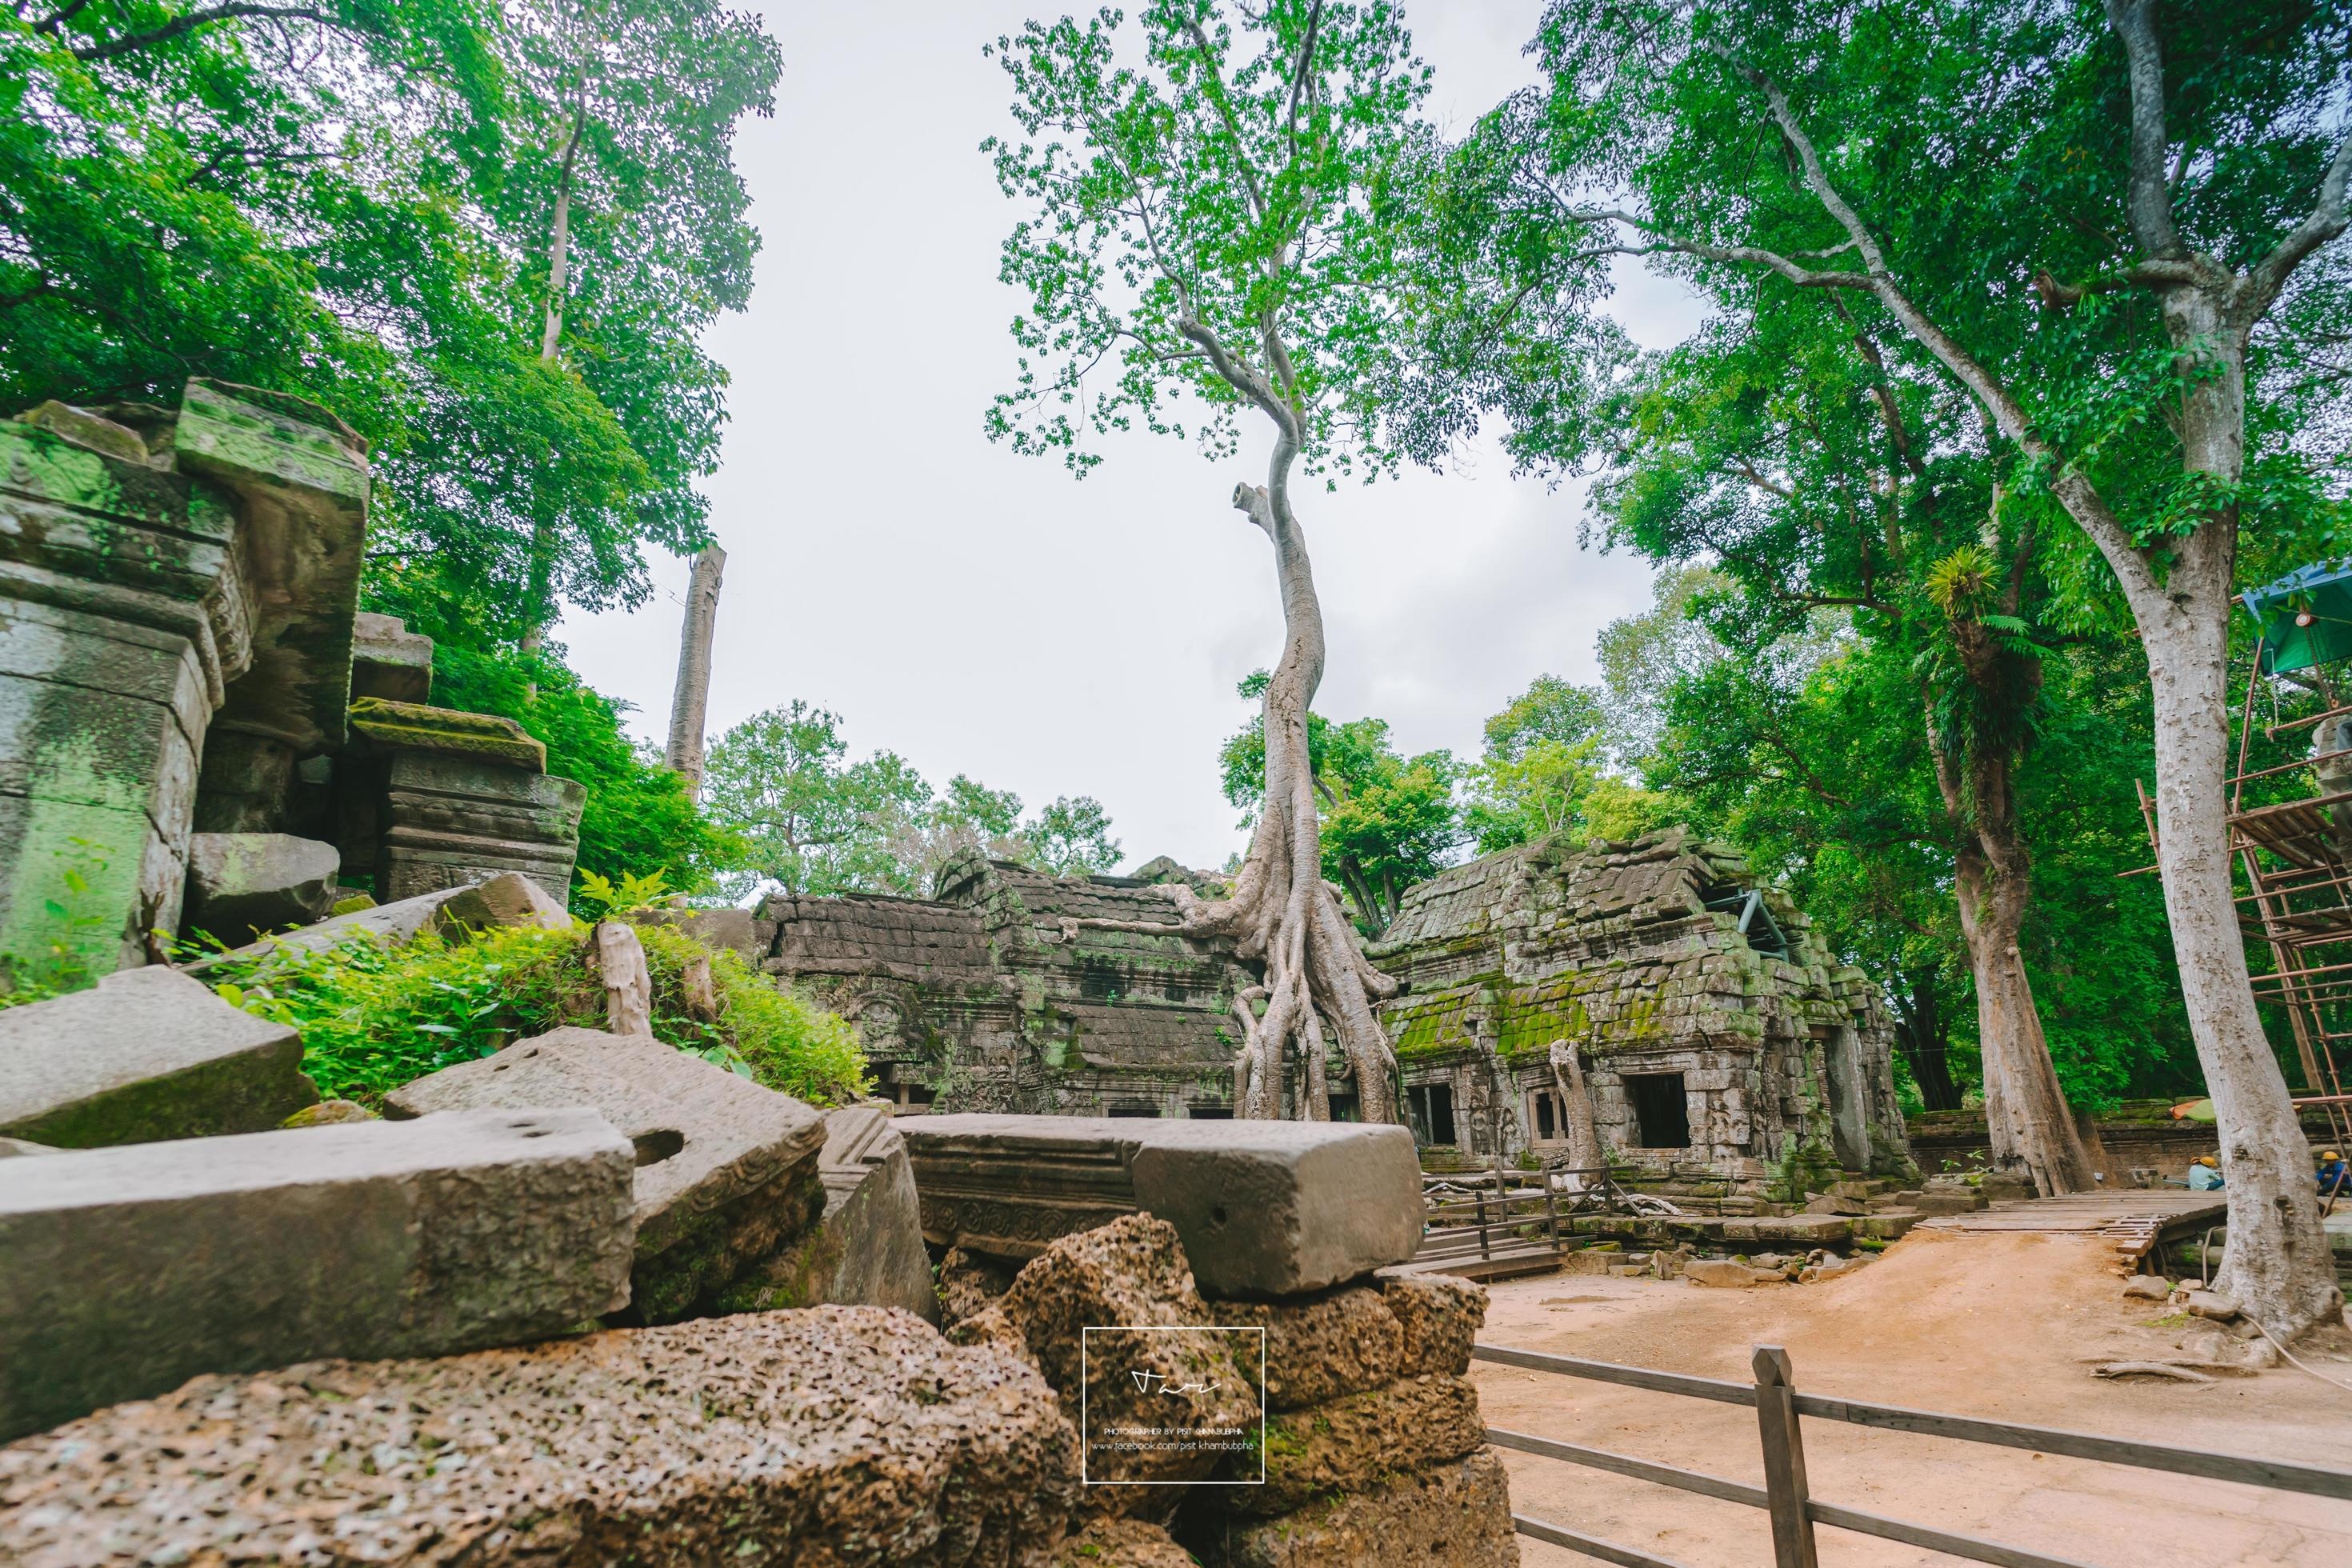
pixel 1784 1497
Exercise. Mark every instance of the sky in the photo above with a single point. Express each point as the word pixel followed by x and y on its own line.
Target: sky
pixel 987 614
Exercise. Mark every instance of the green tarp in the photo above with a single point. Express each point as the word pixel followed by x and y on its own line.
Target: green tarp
pixel 2305 616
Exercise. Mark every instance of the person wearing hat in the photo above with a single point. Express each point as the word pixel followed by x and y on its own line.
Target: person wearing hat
pixel 2332 1171
pixel 2204 1174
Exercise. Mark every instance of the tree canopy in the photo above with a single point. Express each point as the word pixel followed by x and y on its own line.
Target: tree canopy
pixel 811 821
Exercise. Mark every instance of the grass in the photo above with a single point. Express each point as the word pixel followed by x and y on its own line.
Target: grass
pixel 372 1016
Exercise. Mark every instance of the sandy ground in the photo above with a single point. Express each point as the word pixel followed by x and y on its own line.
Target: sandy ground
pixel 2003 1325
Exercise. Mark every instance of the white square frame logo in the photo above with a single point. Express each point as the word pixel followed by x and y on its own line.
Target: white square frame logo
pixel 1086 1383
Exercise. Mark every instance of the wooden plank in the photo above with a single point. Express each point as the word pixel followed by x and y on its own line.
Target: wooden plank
pixel 2277 1473
pixel 1975 1548
pixel 1783 1438
pixel 1591 1546
pixel 1610 1372
pixel 1626 1464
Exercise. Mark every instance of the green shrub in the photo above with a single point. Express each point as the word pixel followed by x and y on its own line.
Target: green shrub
pixel 373 1017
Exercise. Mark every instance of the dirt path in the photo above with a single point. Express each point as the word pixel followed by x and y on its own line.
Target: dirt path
pixel 1996 1325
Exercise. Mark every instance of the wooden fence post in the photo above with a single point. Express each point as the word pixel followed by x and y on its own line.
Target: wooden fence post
pixel 1784 1459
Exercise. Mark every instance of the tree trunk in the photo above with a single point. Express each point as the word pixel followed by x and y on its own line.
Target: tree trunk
pixel 540 591
pixel 2026 1115
pixel 1282 914
pixel 1919 1029
pixel 1582 1130
pixel 2278 1267
pixel 689 704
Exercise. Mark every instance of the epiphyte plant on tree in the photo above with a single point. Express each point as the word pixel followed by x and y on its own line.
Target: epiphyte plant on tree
pixel 1212 223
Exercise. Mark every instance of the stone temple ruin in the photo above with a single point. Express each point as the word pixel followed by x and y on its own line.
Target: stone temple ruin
pixel 197 726
pixel 1721 1040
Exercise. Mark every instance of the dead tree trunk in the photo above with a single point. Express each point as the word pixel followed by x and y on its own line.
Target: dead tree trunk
pixel 1582 1130
pixel 1283 914
pixel 540 591
pixel 689 704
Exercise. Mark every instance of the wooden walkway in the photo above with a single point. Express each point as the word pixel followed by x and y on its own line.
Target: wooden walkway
pixel 2136 1220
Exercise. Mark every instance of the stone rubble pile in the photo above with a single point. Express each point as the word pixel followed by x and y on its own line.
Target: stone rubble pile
pixel 1373 1450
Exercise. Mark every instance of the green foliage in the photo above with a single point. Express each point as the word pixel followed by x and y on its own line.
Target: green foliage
pixel 71 926
pixel 638 818
pixel 1212 218
pixel 1388 820
pixel 354 202
pixel 373 1017
pixel 811 821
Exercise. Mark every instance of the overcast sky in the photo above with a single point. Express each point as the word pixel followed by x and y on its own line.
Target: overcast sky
pixel 986 613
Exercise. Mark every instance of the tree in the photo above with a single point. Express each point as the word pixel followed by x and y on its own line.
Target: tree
pixel 2117 260
pixel 352 201
pixel 1546 753
pixel 1214 219
pixel 1388 821
pixel 812 822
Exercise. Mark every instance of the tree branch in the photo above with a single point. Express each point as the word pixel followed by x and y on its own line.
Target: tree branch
pixel 180 25
pixel 2327 220
pixel 2149 201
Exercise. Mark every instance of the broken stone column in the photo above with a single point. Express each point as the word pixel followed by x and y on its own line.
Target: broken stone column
pixel 176 597
pixel 1264 1208
pixel 125 1271
pixel 433 798
pixel 726 1171
pixel 390 661
pixel 145 1054
pixel 849 1436
pixel 868 1248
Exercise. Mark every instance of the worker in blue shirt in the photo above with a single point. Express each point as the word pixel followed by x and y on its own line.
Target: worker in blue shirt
pixel 2204 1175
pixel 2332 1172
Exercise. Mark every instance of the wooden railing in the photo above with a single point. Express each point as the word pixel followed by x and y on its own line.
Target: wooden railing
pixel 1499 1214
pixel 1785 1498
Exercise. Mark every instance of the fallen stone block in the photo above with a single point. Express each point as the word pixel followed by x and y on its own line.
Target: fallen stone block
pixel 330 1114
pixel 1264 1208
pixel 1440 1318
pixel 143 1055
pixel 726 1170
pixel 125 1271
pixel 2148 1288
pixel 1151 1360
pixel 1349 1443
pixel 1453 1515
pixel 1114 1543
pixel 1721 1273
pixel 1323 1347
pixel 969 1285
pixel 2209 1304
pixel 850 1437
pixel 868 1248
pixel 508 897
pixel 242 886
pixel 1886 1226
pixel 1803 1229
pixel 1934 1201
pixel 1836 1202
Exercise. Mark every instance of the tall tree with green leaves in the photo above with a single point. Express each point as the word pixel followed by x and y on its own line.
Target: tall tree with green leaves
pixel 1209 226
pixel 2108 227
